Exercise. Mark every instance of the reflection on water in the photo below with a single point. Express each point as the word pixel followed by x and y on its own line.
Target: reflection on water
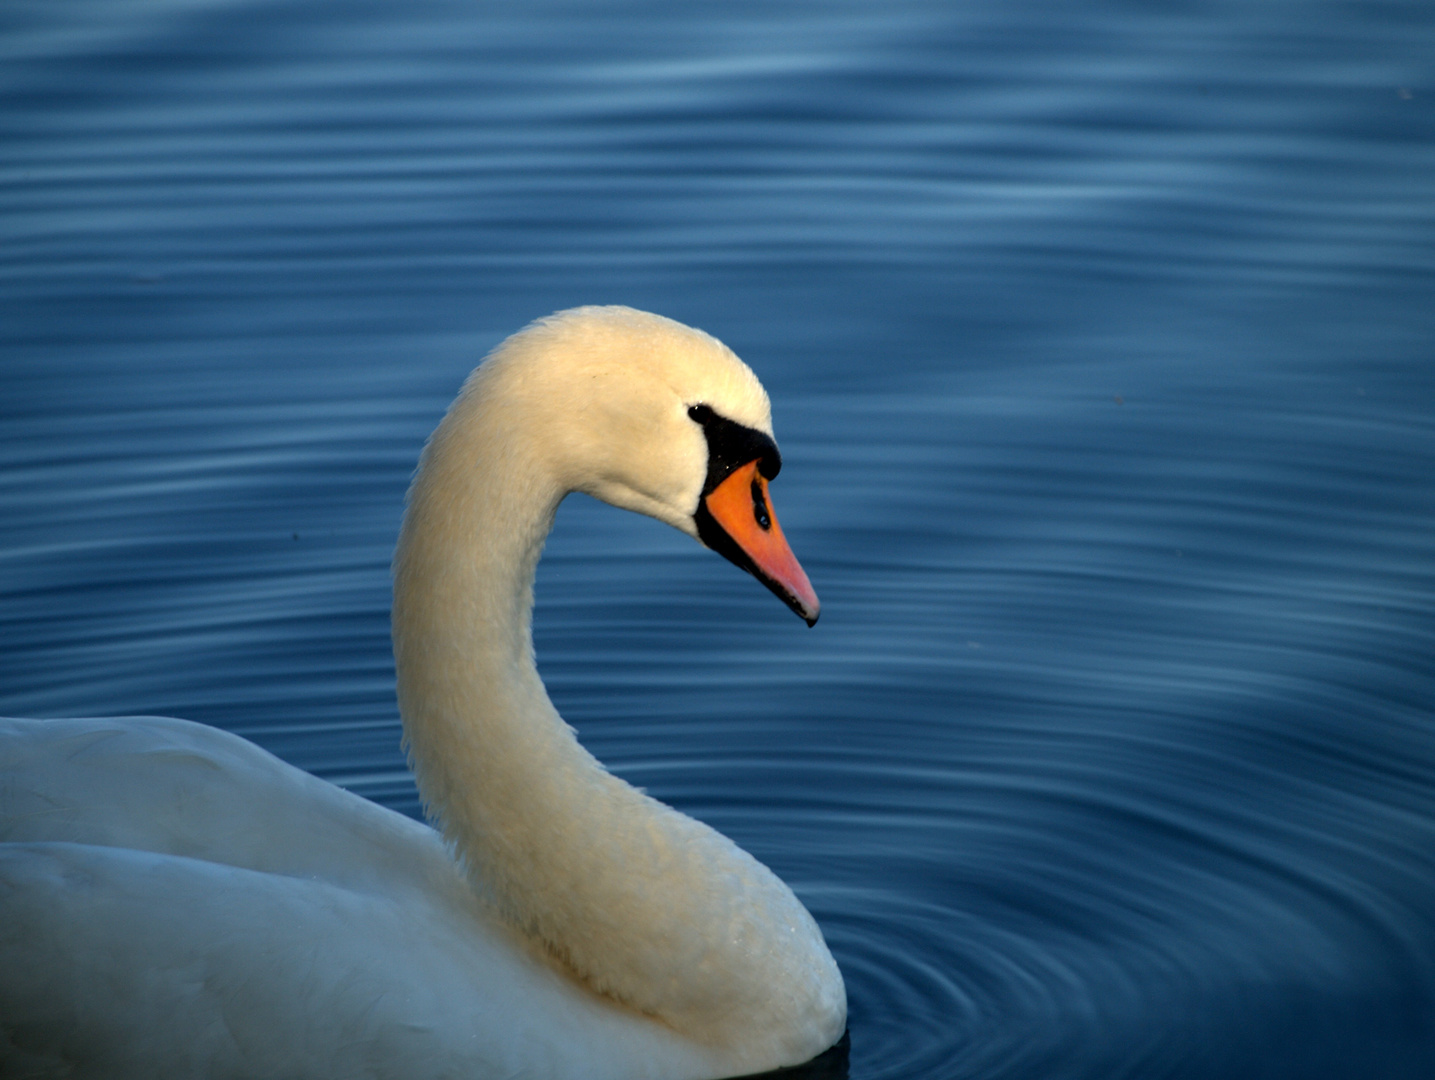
pixel 1098 342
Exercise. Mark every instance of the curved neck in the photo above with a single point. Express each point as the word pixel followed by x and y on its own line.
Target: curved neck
pixel 643 904
pixel 478 725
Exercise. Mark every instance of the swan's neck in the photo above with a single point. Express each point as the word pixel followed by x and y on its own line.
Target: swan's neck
pixel 477 720
pixel 640 902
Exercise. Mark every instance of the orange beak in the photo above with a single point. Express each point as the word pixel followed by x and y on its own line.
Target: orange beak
pixel 741 508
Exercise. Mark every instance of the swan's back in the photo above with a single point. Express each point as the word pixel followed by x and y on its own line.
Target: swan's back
pixel 172 787
pixel 160 876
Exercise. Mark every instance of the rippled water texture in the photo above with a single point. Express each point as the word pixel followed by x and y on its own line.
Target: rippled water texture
pixel 1100 348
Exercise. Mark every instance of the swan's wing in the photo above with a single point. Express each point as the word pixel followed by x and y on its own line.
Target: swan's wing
pixel 176 902
pixel 179 788
pixel 120 963
pixel 126 963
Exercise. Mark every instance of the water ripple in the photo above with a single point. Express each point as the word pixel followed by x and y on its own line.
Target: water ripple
pixel 1098 342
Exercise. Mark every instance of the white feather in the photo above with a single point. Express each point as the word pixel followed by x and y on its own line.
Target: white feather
pixel 176 902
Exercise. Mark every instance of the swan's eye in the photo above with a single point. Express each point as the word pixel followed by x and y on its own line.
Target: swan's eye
pixel 759 507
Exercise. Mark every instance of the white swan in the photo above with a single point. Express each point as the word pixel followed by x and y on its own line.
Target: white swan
pixel 176 902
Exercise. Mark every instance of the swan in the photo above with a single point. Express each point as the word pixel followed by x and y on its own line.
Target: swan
pixel 174 901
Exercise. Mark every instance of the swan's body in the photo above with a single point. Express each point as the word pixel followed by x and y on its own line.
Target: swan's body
pixel 175 901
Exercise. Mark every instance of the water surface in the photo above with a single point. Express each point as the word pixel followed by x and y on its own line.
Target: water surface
pixel 1099 344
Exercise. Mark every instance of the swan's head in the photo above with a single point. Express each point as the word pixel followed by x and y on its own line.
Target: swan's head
pixel 653 416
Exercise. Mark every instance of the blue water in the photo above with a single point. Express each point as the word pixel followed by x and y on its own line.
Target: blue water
pixel 1100 344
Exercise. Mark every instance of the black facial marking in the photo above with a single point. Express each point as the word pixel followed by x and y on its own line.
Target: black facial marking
pixel 732 445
